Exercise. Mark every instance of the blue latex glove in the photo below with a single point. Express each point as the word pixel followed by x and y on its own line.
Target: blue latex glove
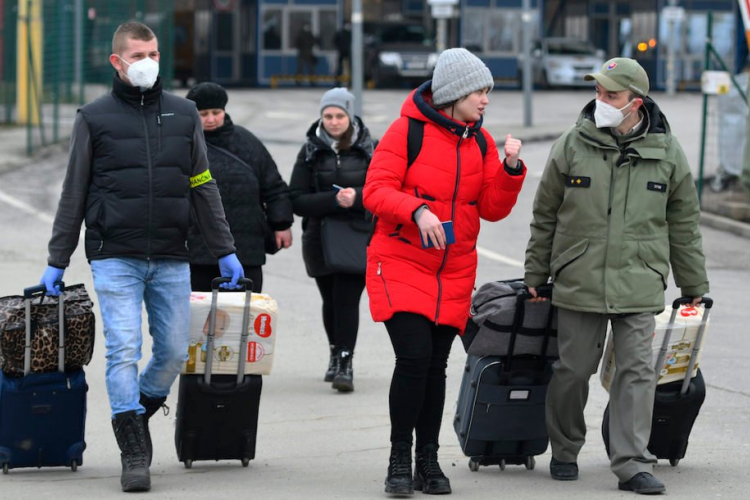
pixel 230 267
pixel 51 276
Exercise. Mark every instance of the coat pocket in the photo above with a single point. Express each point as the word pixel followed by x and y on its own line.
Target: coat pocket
pixel 568 255
pixel 656 259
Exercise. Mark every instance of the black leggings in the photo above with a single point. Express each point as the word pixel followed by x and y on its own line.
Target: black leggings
pixel 201 276
pixel 417 392
pixel 341 293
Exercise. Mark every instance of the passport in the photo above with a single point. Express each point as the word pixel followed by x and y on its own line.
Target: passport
pixel 450 236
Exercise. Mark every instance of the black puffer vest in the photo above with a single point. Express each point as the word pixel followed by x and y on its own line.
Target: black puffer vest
pixel 138 201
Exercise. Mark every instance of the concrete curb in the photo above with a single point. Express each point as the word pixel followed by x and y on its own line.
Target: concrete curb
pixel 725 224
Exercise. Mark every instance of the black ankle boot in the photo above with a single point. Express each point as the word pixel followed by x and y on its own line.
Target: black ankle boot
pixel 398 481
pixel 151 405
pixel 344 379
pixel 333 366
pixel 428 478
pixel 131 439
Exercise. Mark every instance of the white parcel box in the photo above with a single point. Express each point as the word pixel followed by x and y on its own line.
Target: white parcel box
pixel 681 342
pixel 226 349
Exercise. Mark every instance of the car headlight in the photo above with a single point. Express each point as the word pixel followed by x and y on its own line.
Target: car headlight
pixel 390 58
pixel 432 60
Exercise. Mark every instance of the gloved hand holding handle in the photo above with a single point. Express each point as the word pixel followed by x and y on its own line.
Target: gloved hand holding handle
pixel 230 267
pixel 51 276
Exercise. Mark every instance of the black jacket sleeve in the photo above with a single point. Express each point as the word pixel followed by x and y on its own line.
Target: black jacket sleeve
pixel 274 192
pixel 70 211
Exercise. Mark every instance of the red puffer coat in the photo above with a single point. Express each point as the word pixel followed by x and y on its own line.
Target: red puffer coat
pixel 451 177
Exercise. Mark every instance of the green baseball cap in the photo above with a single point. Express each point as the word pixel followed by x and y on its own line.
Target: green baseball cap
pixel 621 73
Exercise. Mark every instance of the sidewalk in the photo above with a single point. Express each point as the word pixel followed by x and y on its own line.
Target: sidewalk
pixel 268 112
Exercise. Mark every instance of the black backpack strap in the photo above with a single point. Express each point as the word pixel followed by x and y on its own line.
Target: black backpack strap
pixel 482 142
pixel 414 140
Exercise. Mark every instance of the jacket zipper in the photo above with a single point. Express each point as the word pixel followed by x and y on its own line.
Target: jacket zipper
pixel 150 183
pixel 385 287
pixel 453 212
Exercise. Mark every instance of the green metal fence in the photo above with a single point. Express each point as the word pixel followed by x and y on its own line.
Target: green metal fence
pixel 64 53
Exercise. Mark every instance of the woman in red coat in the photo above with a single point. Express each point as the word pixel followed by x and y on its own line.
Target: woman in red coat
pixel 423 294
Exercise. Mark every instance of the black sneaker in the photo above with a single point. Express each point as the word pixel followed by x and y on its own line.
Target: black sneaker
pixel 428 477
pixel 399 481
pixel 344 379
pixel 563 471
pixel 643 483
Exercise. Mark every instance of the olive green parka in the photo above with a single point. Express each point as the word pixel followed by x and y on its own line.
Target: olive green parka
pixel 610 218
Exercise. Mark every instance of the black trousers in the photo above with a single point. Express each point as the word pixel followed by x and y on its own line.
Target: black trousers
pixel 341 294
pixel 417 395
pixel 201 276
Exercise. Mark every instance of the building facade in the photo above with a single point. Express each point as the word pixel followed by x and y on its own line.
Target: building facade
pixel 251 42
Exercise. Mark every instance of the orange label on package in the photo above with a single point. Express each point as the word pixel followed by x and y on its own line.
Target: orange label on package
pixel 263 325
pixel 255 352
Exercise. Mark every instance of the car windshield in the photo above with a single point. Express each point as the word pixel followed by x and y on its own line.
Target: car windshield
pixel 403 34
pixel 570 47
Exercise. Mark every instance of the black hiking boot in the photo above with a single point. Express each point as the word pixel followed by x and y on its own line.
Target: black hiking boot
pixel 131 439
pixel 428 478
pixel 333 366
pixel 399 482
pixel 151 405
pixel 344 379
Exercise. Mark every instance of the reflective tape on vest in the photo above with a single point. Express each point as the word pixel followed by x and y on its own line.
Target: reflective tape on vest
pixel 199 179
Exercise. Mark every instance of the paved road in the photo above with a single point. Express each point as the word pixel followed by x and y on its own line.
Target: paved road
pixel 316 443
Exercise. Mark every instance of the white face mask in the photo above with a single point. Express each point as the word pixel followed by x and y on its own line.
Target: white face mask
pixel 142 73
pixel 606 115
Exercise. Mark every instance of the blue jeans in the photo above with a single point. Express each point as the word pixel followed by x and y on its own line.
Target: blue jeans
pixel 122 286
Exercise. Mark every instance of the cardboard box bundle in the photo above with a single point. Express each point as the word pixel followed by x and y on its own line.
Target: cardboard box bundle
pixel 686 326
pixel 226 348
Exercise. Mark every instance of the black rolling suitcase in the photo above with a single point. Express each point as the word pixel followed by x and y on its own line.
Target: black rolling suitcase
pixel 500 416
pixel 42 415
pixel 217 416
pixel 676 404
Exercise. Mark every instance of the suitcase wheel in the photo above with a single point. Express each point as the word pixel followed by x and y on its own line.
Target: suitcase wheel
pixel 188 463
pixel 5 468
pixel 245 462
pixel 502 464
pixel 74 465
pixel 674 461
pixel 473 465
pixel 530 463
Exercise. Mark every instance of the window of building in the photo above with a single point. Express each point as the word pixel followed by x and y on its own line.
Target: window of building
pixel 495 30
pixel 273 27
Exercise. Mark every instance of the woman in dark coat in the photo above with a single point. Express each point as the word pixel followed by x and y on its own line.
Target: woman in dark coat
pixel 327 180
pixel 255 197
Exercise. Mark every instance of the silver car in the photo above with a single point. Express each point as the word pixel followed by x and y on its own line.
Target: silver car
pixel 562 62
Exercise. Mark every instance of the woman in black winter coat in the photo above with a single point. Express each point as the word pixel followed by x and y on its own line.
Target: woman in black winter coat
pixel 327 180
pixel 255 197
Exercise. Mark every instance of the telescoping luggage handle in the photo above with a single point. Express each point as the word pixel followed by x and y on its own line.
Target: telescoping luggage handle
pixel 28 294
pixel 248 284
pixel 708 303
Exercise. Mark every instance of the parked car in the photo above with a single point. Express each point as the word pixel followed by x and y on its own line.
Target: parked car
pixel 562 62
pixel 397 52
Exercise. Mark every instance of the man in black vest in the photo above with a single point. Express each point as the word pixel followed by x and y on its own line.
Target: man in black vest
pixel 137 168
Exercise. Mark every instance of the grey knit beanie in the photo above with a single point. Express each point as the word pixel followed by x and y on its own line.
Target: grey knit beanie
pixel 458 73
pixel 341 98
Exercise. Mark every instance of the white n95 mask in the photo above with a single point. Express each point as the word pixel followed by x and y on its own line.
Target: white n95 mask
pixel 142 73
pixel 606 115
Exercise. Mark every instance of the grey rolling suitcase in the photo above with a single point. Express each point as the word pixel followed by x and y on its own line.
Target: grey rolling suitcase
pixel 500 417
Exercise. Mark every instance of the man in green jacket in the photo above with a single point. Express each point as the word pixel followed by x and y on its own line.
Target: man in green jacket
pixel 615 207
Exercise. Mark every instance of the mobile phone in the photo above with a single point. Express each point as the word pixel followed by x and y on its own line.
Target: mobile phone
pixel 450 236
pixel 337 187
